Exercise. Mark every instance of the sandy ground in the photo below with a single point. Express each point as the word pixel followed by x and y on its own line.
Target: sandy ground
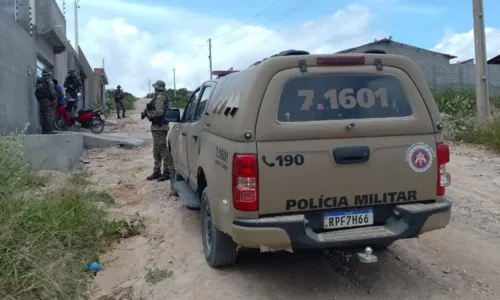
pixel 166 262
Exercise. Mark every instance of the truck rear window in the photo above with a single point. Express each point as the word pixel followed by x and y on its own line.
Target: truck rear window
pixel 341 97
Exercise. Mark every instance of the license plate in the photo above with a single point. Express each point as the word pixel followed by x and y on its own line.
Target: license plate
pixel 102 117
pixel 348 218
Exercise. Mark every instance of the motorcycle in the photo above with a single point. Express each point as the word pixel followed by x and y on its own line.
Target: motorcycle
pixel 92 119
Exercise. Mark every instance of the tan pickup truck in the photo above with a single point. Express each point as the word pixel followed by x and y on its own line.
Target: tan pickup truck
pixel 330 151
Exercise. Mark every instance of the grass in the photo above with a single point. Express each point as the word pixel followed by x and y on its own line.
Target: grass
pixel 155 276
pixel 48 236
pixel 459 109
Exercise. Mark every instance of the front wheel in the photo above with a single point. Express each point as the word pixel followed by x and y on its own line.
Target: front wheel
pixel 219 248
pixel 97 125
pixel 61 124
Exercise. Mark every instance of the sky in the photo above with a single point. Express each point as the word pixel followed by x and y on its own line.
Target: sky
pixel 142 40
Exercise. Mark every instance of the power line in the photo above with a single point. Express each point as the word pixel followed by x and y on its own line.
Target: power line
pixel 200 47
pixel 248 21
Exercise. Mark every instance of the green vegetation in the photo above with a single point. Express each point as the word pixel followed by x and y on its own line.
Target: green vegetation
pixel 155 276
pixel 181 97
pixel 110 105
pixel 458 108
pixel 49 234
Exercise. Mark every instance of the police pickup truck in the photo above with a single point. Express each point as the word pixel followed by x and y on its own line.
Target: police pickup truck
pixel 329 151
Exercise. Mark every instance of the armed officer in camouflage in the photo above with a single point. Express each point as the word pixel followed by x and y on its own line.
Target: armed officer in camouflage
pixel 45 93
pixel 155 110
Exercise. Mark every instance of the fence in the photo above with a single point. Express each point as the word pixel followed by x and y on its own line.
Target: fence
pixel 460 77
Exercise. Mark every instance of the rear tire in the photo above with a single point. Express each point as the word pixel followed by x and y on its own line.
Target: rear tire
pixel 219 248
pixel 97 125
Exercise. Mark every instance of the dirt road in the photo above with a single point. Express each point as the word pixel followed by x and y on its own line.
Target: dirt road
pixel 459 262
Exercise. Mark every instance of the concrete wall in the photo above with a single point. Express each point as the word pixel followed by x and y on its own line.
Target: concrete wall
pixel 45 52
pixel 58 152
pixel 88 101
pixel 459 76
pixel 61 69
pixel 18 104
pixel 437 70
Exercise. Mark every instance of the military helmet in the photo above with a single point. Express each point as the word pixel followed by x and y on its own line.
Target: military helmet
pixel 119 87
pixel 159 85
pixel 46 72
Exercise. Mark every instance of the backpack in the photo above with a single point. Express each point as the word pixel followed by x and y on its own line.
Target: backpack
pixel 42 89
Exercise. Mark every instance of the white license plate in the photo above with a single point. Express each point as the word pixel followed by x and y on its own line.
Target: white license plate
pixel 102 117
pixel 348 218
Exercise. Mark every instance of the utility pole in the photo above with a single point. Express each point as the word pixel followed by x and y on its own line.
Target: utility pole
pixel 482 93
pixel 174 82
pixel 210 55
pixel 76 27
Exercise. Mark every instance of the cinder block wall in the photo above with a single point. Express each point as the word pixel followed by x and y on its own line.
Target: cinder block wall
pixel 18 104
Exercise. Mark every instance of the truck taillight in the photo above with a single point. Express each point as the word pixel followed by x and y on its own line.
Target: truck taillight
pixel 245 182
pixel 443 177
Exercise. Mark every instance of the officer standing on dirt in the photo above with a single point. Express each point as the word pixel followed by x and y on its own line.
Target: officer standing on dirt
pixel 155 110
pixel 45 93
pixel 119 102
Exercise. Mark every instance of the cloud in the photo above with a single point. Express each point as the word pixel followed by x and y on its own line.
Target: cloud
pixel 141 42
pixel 462 44
pixel 405 7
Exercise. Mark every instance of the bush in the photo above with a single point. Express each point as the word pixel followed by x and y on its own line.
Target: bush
pixel 47 236
pixel 458 109
pixel 110 105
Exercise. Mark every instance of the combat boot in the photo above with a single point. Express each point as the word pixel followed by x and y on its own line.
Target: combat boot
pixel 165 176
pixel 154 176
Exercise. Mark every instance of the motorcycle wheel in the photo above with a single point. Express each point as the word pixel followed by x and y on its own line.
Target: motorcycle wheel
pixel 61 124
pixel 97 125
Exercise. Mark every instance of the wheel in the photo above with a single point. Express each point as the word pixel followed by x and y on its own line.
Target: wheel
pixel 97 125
pixel 61 124
pixel 219 248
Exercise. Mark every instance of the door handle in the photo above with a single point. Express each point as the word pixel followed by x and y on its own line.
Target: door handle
pixel 184 134
pixel 351 155
pixel 195 137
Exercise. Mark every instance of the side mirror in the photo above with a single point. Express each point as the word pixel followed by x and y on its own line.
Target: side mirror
pixel 173 115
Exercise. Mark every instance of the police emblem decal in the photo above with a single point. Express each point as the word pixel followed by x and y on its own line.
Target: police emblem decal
pixel 420 156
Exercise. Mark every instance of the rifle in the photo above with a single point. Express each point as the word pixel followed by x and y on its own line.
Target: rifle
pixel 149 106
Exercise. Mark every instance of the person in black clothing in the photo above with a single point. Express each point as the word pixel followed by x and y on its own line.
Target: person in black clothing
pixel 119 102
pixel 72 84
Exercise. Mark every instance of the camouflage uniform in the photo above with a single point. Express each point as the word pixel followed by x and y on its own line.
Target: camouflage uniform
pixel 119 102
pixel 159 132
pixel 48 106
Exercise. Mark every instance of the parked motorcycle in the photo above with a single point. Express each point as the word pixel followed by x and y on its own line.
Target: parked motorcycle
pixel 92 119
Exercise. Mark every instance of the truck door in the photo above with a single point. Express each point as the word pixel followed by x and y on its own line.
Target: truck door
pixel 181 155
pixel 194 132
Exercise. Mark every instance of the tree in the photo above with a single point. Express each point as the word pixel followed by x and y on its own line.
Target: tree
pixel 181 97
